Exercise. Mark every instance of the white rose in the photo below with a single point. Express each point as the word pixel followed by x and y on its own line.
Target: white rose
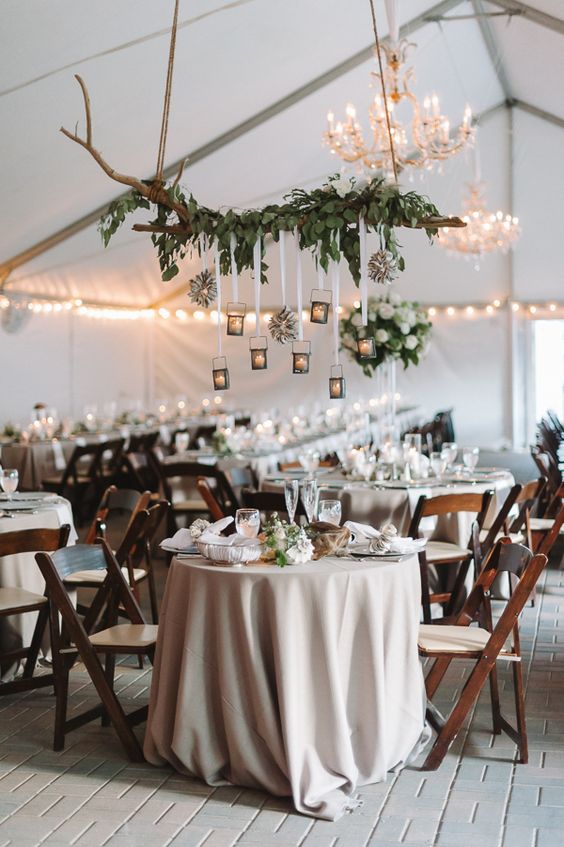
pixel 356 319
pixel 343 185
pixel 394 298
pixel 386 311
pixel 381 336
pixel 411 317
pixel 411 342
pixel 405 328
pixel 372 316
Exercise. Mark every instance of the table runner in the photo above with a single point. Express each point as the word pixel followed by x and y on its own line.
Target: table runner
pixel 304 681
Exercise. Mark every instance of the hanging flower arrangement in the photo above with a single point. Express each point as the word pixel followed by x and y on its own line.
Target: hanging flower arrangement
pixel 401 330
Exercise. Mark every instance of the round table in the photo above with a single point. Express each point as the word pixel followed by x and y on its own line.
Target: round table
pixel 303 681
pixel 21 571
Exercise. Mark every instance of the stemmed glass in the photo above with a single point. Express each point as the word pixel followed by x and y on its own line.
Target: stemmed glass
pixel 9 481
pixel 438 464
pixel 291 492
pixel 450 452
pixel 247 522
pixel 330 511
pixel 181 441
pixel 470 456
pixel 309 497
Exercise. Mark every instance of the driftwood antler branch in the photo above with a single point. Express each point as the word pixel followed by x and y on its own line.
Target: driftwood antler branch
pixel 153 191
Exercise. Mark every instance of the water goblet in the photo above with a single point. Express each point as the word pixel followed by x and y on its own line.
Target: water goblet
pixel 9 481
pixel 181 441
pixel 470 456
pixel 330 511
pixel 291 492
pixel 309 497
pixel 450 452
pixel 438 464
pixel 247 522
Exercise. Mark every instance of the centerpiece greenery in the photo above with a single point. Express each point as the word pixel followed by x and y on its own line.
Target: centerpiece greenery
pixel 401 330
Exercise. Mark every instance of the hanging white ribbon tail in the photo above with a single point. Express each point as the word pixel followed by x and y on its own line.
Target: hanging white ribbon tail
pixel 363 270
pixel 257 257
pixel 299 284
pixel 282 250
pixel 336 285
pixel 218 286
pixel 203 239
pixel 320 272
pixel 234 274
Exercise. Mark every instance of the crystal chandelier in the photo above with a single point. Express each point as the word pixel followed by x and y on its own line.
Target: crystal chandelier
pixel 484 231
pixel 429 140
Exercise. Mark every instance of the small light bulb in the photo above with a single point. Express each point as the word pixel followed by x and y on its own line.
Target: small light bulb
pixel 515 307
pixel 199 315
pixel 450 311
pixel 432 311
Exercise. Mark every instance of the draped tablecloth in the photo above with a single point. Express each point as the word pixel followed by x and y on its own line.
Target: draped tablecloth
pixel 36 460
pixel 21 571
pixel 303 681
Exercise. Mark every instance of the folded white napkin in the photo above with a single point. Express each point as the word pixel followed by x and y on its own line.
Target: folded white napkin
pixel 234 540
pixel 407 545
pixel 361 532
pixel 183 539
pixel 364 534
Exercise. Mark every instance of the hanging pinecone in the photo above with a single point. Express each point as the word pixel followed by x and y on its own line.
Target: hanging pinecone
pixel 382 267
pixel 283 327
pixel 203 289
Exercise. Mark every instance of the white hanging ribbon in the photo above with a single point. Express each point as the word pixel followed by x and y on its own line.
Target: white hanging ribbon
pixel 320 271
pixel 299 284
pixel 218 286
pixel 282 249
pixel 203 239
pixel 257 256
pixel 393 17
pixel 234 274
pixel 336 284
pixel 363 270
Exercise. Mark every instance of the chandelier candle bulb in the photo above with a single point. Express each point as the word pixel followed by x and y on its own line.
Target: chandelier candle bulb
pixel 220 374
pixel 337 384
pixel 301 352
pixel 320 302
pixel 236 318
pixel 258 346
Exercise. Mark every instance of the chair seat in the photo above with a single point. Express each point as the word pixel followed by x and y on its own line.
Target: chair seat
pixel 444 551
pixel 98 576
pixel 54 481
pixel 434 638
pixel 19 598
pixel 196 505
pixel 516 537
pixel 130 636
pixel 543 525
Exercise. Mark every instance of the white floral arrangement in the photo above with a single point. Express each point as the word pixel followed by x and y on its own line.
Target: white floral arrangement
pixel 401 330
pixel 287 543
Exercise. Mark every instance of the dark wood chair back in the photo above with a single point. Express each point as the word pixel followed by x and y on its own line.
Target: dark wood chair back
pixel 33 540
pixel 209 498
pixel 268 502
pixel 115 503
pixel 447 504
pixel 500 520
pixel 192 470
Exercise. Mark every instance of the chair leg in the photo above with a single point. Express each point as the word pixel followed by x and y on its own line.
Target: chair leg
pixel 494 695
pixel 35 646
pixel 110 672
pixel 456 718
pixel 520 710
pixel 61 699
pixel 153 596
pixel 425 599
pixel 435 675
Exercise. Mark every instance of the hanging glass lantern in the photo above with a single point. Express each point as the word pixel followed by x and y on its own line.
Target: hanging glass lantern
pixel 365 344
pixel 320 302
pixel 258 346
pixel 301 351
pixel 337 385
pixel 236 318
pixel 220 373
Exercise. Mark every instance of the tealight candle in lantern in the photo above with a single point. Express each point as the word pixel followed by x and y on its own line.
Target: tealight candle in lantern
pixel 320 302
pixel 236 318
pixel 301 351
pixel 220 374
pixel 337 385
pixel 258 346
pixel 365 345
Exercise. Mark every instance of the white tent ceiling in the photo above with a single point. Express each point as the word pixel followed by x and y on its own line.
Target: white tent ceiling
pixel 233 60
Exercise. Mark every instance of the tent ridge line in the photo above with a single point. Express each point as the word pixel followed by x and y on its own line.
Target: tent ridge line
pixel 221 141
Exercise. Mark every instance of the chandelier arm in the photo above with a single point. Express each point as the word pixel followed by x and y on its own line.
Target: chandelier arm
pixel 386 111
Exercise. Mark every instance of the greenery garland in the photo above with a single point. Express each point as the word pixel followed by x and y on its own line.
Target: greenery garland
pixel 401 330
pixel 320 215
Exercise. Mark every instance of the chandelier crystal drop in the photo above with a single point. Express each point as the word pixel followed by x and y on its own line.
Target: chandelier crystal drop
pixel 429 139
pixel 485 231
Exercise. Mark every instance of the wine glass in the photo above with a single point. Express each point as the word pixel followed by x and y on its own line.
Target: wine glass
pixel 247 522
pixel 309 497
pixel 291 492
pixel 470 456
pixel 309 460
pixel 330 511
pixel 438 464
pixel 450 452
pixel 181 440
pixel 9 481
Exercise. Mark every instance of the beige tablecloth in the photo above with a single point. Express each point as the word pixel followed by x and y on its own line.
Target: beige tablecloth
pixel 302 681
pixel 36 460
pixel 21 571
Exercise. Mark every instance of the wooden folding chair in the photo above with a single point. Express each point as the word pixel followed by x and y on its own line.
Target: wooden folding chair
pixel 116 503
pixel 209 498
pixel 73 638
pixel 444 553
pixel 485 646
pixel 190 471
pixel 80 480
pixel 18 601
pixel 546 535
pixel 268 502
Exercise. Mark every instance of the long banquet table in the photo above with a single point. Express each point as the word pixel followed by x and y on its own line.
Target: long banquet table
pixel 303 681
